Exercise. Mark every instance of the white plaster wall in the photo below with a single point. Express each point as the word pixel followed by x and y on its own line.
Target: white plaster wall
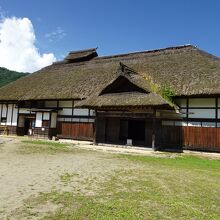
pixel 38 119
pixel 202 113
pixel 80 111
pixel 180 123
pixel 24 110
pixel 53 120
pixel 92 112
pixel 15 116
pixel 208 124
pixel 4 110
pixel 9 114
pixel 46 116
pixel 66 111
pixel 194 124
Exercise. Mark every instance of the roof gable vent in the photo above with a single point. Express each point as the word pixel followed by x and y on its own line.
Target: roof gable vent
pixel 81 55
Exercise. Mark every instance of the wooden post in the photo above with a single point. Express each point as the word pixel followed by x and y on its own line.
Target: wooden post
pixel 154 131
pixel 94 129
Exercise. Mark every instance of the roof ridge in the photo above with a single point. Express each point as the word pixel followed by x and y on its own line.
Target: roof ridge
pixel 99 58
pixel 83 50
pixel 147 51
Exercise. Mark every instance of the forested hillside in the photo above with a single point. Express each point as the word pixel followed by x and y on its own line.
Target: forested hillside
pixel 7 76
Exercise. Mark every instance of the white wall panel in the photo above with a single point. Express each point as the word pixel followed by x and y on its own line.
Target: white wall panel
pixel 91 120
pixel 180 123
pixel 81 112
pixel 195 124
pixel 208 124
pixel 4 110
pixel 15 116
pixel 9 114
pixel 66 111
pixel 38 119
pixel 202 102
pixel 202 113
pixel 92 113
pixel 24 110
pixel 76 120
pixel 46 116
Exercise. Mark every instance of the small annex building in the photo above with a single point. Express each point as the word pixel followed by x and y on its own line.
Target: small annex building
pixel 164 98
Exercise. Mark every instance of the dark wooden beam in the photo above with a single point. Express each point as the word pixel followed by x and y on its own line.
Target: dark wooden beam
pixel 94 129
pixel 216 112
pixel 187 110
pixel 12 112
pixel 154 131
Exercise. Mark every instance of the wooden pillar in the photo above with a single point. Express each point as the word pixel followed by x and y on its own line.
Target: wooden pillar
pixel 216 112
pixel 95 129
pixel 154 131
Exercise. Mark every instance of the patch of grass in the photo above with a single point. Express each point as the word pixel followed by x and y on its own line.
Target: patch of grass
pixel 167 93
pixel 47 143
pixel 67 177
pixel 183 187
pixel 178 161
pixel 38 146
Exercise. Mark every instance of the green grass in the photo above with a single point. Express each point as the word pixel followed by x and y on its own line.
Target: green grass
pixel 67 177
pixel 38 146
pixel 183 187
pixel 178 161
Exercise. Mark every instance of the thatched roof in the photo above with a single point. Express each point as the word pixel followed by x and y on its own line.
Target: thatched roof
pixel 185 69
pixel 127 89
pixel 125 99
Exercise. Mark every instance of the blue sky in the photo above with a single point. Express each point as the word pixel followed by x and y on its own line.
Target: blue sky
pixel 119 26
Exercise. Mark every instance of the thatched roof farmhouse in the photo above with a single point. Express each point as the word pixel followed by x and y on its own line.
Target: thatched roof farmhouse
pixel 164 98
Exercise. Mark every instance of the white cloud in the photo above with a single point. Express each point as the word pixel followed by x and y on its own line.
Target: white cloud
pixel 17 46
pixel 56 35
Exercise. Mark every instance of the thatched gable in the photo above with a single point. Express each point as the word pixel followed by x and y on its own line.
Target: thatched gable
pixel 128 89
pixel 127 80
pixel 185 69
pixel 81 55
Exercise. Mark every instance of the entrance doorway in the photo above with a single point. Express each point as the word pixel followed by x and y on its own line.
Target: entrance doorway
pixel 29 125
pixel 134 130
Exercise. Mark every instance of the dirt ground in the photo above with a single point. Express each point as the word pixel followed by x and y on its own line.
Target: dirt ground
pixel 26 174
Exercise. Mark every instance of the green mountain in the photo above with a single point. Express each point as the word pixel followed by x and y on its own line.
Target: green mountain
pixel 7 76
